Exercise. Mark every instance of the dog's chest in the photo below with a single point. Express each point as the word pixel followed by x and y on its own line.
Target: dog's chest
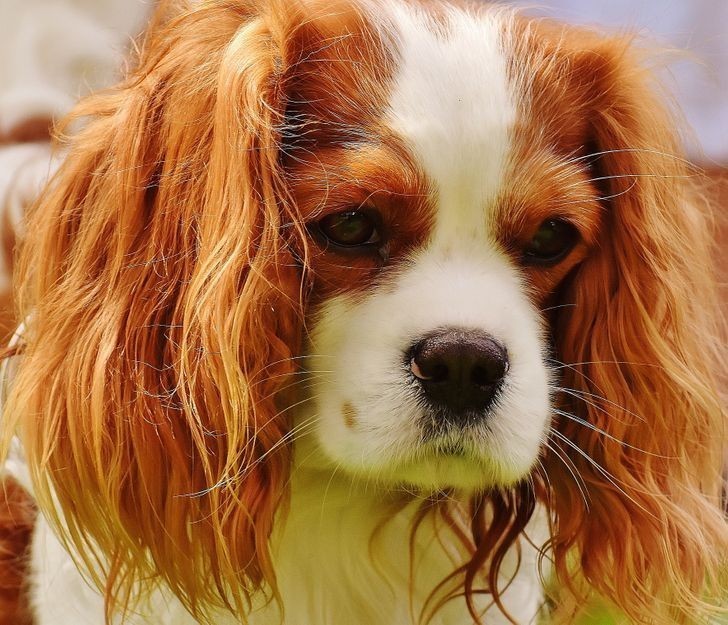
pixel 347 557
pixel 339 559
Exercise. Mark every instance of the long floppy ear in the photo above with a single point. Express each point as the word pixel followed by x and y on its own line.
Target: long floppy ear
pixel 163 315
pixel 641 352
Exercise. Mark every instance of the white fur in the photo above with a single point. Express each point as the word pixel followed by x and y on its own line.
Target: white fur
pixel 453 106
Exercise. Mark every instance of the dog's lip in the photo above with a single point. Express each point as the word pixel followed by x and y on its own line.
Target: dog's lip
pixel 449 449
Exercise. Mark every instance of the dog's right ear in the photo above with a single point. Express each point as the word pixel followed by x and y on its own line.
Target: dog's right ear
pixel 639 340
pixel 164 309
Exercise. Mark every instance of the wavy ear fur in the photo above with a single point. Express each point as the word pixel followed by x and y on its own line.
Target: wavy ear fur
pixel 642 350
pixel 164 313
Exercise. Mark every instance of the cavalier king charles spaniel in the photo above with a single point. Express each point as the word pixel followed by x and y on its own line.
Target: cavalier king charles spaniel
pixel 366 312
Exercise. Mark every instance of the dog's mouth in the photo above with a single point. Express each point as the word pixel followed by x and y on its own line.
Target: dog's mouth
pixel 451 449
pixel 453 434
pixel 465 460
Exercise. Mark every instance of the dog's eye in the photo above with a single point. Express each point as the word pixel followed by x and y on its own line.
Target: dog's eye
pixel 353 228
pixel 552 242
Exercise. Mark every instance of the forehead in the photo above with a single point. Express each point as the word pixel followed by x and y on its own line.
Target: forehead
pixel 466 88
pixel 494 108
pixel 475 101
pixel 452 101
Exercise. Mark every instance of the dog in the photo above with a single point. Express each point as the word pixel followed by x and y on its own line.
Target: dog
pixel 369 312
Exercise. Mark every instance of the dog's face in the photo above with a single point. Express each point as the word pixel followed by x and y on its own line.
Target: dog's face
pixel 467 231
pixel 439 237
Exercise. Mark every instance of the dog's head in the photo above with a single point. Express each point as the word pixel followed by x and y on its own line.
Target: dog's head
pixel 443 244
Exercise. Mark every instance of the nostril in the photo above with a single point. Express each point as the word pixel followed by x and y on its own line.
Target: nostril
pixel 486 375
pixel 429 370
pixel 491 367
pixel 439 372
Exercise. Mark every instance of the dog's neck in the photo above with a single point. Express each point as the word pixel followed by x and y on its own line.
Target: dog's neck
pixel 347 552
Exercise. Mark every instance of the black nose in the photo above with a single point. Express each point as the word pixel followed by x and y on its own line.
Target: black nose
pixel 459 370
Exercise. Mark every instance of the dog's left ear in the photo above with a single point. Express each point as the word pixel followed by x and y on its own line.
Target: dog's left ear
pixel 164 311
pixel 641 352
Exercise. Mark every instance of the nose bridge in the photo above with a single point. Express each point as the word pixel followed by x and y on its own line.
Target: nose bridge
pixel 464 216
pixel 470 287
pixel 459 229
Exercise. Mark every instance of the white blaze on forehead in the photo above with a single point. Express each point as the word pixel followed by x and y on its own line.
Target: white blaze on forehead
pixel 452 104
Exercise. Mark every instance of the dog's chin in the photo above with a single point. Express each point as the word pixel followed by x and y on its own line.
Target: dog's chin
pixel 466 458
pixel 445 469
pixel 459 472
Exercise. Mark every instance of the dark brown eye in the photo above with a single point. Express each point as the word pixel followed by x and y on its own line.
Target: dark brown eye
pixel 354 228
pixel 552 242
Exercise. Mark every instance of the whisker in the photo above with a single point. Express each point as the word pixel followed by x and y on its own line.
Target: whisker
pixel 593 427
pixel 633 176
pixel 326 492
pixel 603 197
pixel 556 307
pixel 285 439
pixel 610 478
pixel 571 365
pixel 675 157
pixel 577 371
pixel 573 470
pixel 578 395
